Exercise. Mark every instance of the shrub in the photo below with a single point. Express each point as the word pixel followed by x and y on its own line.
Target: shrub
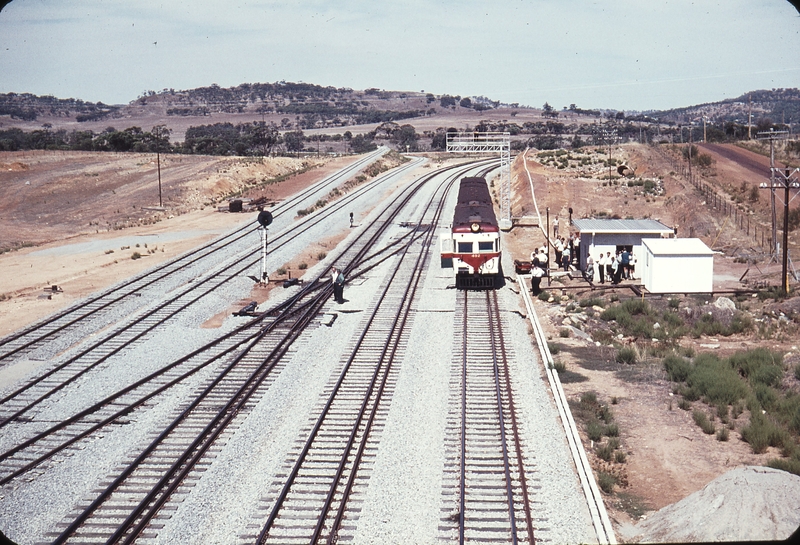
pixel 558 366
pixel 302 266
pixel 564 333
pixel 750 362
pixel 612 430
pixel 715 380
pixel 684 404
pixel 544 296
pixel 592 302
pixel 594 429
pixel 605 452
pixel 723 434
pixel 674 303
pixel 554 348
pixel 136 255
pixel 677 368
pixel 321 256
pixel 626 355
pixel 606 481
pixel 620 457
pixel 791 466
pixel 701 419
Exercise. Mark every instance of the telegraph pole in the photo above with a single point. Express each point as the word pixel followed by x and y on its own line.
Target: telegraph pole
pixel 772 135
pixel 786 180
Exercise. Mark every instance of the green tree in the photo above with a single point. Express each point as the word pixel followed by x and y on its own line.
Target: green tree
pixel 293 140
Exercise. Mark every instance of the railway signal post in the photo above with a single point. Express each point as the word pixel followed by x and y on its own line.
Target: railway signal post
pixel 264 219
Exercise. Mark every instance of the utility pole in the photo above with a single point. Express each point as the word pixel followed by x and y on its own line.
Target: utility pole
pixel 786 180
pixel 158 163
pixel 772 136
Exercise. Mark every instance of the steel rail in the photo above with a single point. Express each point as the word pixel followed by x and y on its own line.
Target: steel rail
pixel 496 346
pixel 160 272
pixel 361 424
pixel 287 235
pixel 380 229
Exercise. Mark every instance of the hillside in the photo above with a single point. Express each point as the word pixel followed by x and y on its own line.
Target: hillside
pixel 267 118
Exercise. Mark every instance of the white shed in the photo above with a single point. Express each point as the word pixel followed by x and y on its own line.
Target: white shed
pixel 677 265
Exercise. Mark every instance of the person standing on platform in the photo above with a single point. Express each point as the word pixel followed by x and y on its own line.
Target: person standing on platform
pixel 601 268
pixel 625 261
pixel 555 227
pixel 536 279
pixel 588 274
pixel 609 269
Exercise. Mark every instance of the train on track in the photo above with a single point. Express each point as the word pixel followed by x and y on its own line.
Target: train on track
pixel 472 247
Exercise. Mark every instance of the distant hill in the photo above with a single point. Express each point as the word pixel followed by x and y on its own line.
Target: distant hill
pixel 305 106
pixel 302 105
pixel 778 106
pixel 285 117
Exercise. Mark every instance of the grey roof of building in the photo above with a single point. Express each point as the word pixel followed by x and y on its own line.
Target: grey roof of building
pixel 592 225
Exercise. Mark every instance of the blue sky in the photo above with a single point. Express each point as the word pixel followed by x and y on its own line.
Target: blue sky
pixel 624 55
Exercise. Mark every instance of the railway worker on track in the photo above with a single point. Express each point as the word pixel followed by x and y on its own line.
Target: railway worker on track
pixel 337 279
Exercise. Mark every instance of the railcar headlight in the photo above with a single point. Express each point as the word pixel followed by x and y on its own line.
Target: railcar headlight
pixel 475 227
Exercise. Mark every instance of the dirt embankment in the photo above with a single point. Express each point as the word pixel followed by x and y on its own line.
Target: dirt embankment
pixel 665 456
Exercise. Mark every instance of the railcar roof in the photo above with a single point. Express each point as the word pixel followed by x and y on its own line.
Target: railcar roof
pixel 474 204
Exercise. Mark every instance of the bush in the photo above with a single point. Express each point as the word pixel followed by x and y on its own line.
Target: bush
pixel 594 429
pixel 136 255
pixel 677 368
pixel 723 434
pixel 626 355
pixel 554 348
pixel 684 404
pixel 564 333
pixel 544 296
pixel 701 419
pixel 791 466
pixel 605 452
pixel 606 481
pixel 715 380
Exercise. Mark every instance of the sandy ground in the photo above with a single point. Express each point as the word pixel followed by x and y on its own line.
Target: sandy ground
pixel 80 256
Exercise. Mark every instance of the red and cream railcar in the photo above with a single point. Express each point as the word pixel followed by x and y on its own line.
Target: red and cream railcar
pixel 472 247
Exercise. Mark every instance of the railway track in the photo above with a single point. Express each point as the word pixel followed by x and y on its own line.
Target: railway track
pixel 487 495
pixel 51 335
pixel 240 374
pixel 15 404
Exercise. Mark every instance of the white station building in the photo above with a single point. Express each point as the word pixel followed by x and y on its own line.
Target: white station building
pixel 612 235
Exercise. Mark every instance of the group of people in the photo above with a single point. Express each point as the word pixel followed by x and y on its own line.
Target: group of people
pixel 567 250
pixel 611 268
pixel 615 268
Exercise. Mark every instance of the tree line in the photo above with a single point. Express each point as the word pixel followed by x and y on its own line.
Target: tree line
pixel 243 139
